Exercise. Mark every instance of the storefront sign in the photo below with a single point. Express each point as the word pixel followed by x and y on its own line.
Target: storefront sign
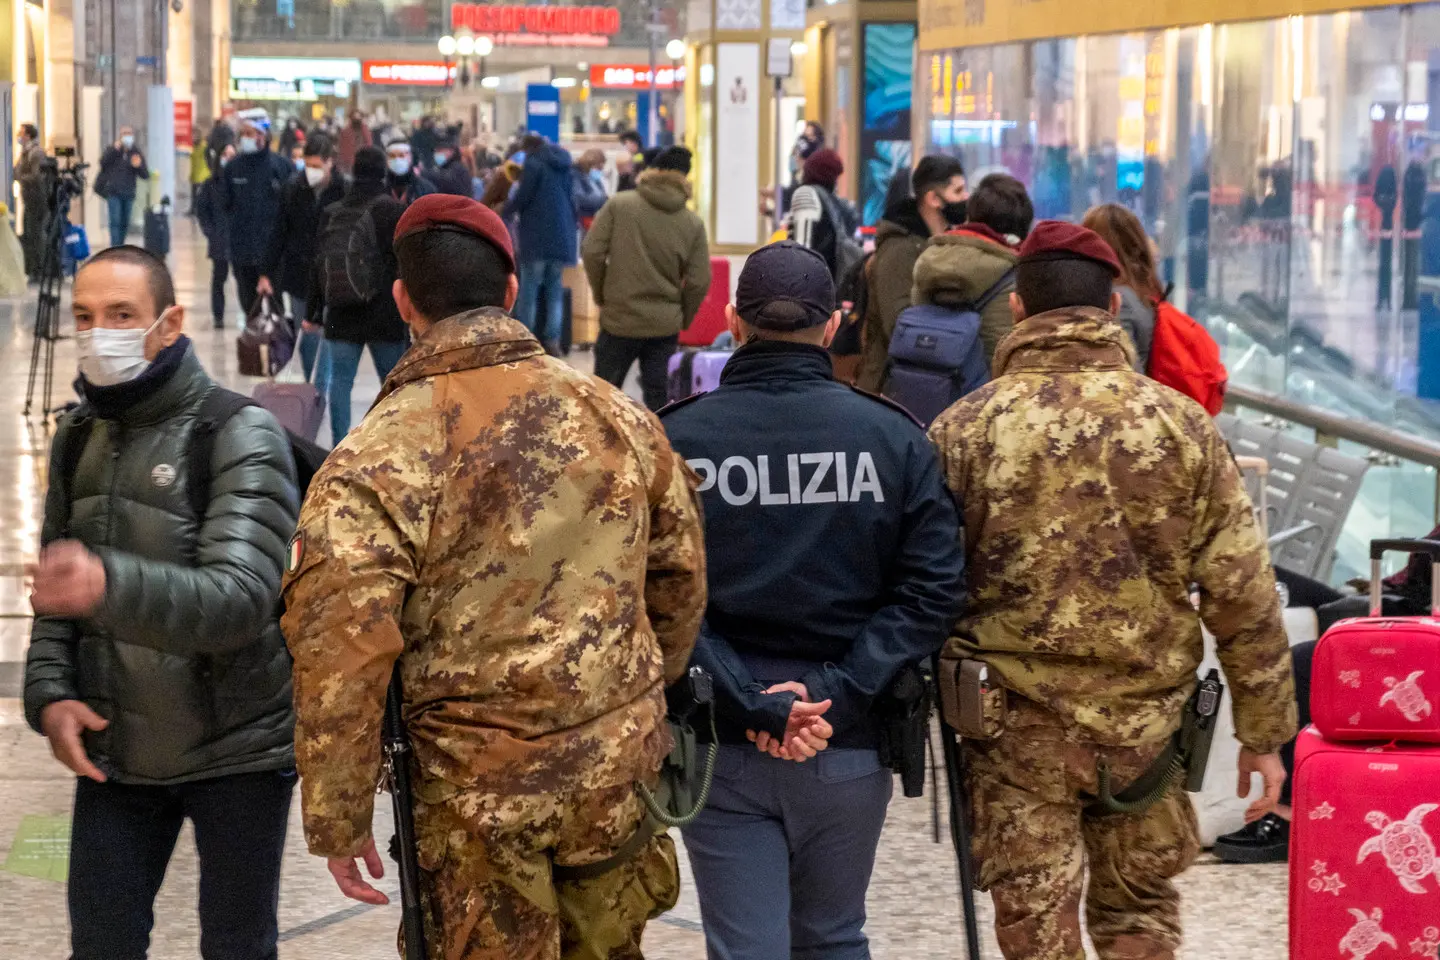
pixel 242 88
pixel 487 19
pixel 295 68
pixel 184 123
pixel 626 77
pixel 407 72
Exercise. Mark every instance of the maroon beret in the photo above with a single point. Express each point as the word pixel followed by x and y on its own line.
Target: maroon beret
pixel 824 167
pixel 1057 240
pixel 443 211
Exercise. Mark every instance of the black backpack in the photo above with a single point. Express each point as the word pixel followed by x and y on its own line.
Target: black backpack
pixel 352 264
pixel 216 410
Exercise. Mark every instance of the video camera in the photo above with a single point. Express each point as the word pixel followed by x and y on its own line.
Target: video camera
pixel 67 180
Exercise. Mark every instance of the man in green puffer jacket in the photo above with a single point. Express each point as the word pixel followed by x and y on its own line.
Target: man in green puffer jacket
pixel 938 203
pixel 156 667
pixel 648 261
pixel 959 267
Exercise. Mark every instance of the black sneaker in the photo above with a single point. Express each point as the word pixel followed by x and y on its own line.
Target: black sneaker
pixel 1267 840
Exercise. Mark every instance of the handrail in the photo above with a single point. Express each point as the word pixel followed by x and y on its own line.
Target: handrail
pixel 1398 444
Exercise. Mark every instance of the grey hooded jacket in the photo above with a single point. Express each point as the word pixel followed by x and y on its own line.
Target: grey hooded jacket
pixel 184 656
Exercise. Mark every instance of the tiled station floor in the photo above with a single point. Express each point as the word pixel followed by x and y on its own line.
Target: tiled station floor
pixel 1238 913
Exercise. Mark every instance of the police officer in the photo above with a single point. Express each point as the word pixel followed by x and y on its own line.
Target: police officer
pixel 834 561
pixel 521 538
pixel 1093 498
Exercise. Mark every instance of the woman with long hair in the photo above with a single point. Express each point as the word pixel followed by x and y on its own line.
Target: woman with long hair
pixel 1139 285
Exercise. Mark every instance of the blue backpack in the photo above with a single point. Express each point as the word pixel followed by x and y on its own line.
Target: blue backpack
pixel 936 356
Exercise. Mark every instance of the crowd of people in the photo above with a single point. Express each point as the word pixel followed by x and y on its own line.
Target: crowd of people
pixel 547 567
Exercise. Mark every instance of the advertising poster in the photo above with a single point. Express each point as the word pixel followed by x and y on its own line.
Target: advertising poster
pixel 889 52
pixel 737 180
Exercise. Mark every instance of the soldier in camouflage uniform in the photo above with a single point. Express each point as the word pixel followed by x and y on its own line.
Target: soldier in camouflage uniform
pixel 523 540
pixel 1093 498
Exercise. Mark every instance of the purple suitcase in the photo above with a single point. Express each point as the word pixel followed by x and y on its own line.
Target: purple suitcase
pixel 695 371
pixel 298 406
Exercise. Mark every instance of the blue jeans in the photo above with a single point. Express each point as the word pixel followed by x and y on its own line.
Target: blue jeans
pixel 344 363
pixel 783 852
pixel 537 276
pixel 314 351
pixel 119 209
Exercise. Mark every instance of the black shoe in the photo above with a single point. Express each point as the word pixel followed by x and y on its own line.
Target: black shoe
pixel 219 323
pixel 552 347
pixel 1267 840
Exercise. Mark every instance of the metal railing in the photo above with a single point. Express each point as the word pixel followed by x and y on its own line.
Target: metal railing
pixel 1387 447
pixel 1329 425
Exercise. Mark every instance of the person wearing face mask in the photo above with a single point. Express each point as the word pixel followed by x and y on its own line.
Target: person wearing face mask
pixel 122 167
pixel 355 238
pixel 448 171
pixel 938 203
pixel 34 196
pixel 215 225
pixel 250 195
pixel 401 178
pixel 295 245
pixel 588 186
pixel 156 667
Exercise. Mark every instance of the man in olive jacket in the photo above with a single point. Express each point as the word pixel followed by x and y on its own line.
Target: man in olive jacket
pixel 938 203
pixel 156 667
pixel 648 261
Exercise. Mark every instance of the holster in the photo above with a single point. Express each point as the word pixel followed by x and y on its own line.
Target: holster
pixel 903 715
pixel 971 703
pixel 683 784
pixel 1186 757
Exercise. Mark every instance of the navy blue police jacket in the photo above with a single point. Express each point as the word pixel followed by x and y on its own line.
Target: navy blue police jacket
pixel 833 544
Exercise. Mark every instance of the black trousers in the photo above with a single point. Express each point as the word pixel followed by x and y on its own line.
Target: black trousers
pixel 219 273
pixel 121 842
pixel 614 356
pixel 246 279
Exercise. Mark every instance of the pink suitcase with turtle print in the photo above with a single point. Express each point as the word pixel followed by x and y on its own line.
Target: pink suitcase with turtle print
pixel 1378 678
pixel 1363 866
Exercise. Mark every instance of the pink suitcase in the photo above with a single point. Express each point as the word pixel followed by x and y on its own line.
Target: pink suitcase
pixel 1378 678
pixel 695 371
pixel 1363 867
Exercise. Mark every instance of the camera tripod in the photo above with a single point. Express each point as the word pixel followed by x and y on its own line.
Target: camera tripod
pixel 68 183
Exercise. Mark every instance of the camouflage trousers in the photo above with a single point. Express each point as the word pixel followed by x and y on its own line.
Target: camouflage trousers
pixel 489 892
pixel 1033 841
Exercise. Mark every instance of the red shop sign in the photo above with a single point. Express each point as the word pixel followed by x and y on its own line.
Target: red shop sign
pixel 632 76
pixel 416 73
pixel 184 123
pixel 487 19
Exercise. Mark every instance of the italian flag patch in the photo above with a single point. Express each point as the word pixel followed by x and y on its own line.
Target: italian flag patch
pixel 296 554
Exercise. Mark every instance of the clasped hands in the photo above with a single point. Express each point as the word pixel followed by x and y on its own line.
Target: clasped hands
pixel 806 733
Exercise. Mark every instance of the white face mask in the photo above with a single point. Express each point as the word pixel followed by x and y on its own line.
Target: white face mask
pixel 441 159
pixel 110 357
pixel 249 145
pixel 127 141
pixel 399 166
pixel 299 163
pixel 314 175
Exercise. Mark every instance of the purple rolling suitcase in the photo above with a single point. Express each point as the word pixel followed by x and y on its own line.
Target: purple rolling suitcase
pixel 695 371
pixel 298 406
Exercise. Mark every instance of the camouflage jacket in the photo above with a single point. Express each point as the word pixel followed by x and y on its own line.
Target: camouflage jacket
pixel 1093 499
pixel 523 539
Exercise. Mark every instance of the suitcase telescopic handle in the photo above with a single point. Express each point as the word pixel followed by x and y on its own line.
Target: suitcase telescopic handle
pixel 1378 549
